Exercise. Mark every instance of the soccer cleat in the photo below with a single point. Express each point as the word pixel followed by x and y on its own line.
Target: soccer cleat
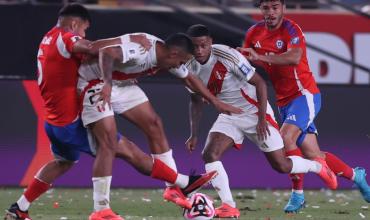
pixel 175 195
pixel 105 214
pixel 226 211
pixel 295 203
pixel 360 182
pixel 327 175
pixel 14 213
pixel 197 182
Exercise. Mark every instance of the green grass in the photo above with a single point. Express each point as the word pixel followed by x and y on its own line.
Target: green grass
pixel 76 204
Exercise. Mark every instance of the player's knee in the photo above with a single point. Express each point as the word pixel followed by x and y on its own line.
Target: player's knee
pixel 155 123
pixel 65 164
pixel 288 138
pixel 282 166
pixel 108 142
pixel 210 156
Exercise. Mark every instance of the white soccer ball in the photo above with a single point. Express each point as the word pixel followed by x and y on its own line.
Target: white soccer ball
pixel 201 209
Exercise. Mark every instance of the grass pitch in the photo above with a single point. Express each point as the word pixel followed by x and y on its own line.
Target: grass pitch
pixel 147 204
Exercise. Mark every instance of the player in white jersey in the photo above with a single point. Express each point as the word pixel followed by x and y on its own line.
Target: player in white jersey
pixel 107 88
pixel 230 77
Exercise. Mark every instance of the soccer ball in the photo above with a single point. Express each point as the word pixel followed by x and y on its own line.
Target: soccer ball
pixel 201 209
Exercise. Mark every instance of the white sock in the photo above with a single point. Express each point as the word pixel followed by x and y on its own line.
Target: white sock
pixel 182 181
pixel 301 165
pixel 101 192
pixel 167 158
pixel 23 203
pixel 221 182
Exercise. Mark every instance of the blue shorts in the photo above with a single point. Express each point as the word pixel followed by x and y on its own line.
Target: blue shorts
pixel 68 141
pixel 302 112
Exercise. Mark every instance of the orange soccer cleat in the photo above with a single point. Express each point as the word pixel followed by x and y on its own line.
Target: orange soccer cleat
pixel 105 214
pixel 197 182
pixel 175 195
pixel 327 175
pixel 226 211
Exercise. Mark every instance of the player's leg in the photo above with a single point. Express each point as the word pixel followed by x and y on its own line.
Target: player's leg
pixel 217 143
pixel 102 125
pixel 64 141
pixel 338 166
pixel 133 105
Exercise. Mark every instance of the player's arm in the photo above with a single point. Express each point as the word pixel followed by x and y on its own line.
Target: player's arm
pixel 107 57
pixel 261 90
pixel 290 57
pixel 197 86
pixel 195 114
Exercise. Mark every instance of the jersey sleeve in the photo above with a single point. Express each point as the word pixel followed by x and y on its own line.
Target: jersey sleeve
pixel 240 66
pixel 247 39
pixel 294 37
pixel 69 40
pixel 132 52
pixel 180 72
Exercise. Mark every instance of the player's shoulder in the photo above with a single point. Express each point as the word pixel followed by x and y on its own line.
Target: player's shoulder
pixel 256 27
pixel 291 27
pixel 225 53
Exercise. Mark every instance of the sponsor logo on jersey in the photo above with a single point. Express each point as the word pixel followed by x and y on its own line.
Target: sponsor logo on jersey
pixel 291 118
pixel 258 44
pixel 132 51
pixel 279 44
pixel 245 69
pixel 295 40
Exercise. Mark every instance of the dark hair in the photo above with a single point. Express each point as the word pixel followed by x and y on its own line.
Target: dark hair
pixel 261 1
pixel 180 40
pixel 198 30
pixel 75 10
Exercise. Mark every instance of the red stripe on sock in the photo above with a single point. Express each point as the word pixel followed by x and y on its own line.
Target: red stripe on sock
pixel 338 166
pixel 297 179
pixel 163 172
pixel 35 189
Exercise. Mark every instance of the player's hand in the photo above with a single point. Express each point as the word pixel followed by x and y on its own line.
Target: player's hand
pixel 191 143
pixel 249 53
pixel 226 108
pixel 262 129
pixel 142 40
pixel 104 95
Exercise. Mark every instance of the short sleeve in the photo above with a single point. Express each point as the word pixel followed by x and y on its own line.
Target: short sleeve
pixel 132 51
pixel 69 40
pixel 180 72
pixel 241 67
pixel 294 36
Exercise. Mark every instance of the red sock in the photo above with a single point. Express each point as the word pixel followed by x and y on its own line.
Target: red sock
pixel 338 166
pixel 35 189
pixel 163 172
pixel 297 178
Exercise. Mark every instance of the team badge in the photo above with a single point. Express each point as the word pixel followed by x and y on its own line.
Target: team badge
pixel 279 44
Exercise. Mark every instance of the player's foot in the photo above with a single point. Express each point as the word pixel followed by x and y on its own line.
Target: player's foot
pixel 226 211
pixel 360 181
pixel 14 213
pixel 105 214
pixel 175 195
pixel 197 182
pixel 295 203
pixel 327 175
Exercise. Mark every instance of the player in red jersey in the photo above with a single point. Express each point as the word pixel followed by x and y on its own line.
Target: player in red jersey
pixel 278 45
pixel 58 61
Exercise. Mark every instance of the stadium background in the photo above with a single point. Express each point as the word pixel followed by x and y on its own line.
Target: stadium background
pixel 343 122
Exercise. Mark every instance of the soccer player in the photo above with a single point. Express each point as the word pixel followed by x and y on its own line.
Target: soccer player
pixel 230 77
pixel 278 45
pixel 58 62
pixel 107 89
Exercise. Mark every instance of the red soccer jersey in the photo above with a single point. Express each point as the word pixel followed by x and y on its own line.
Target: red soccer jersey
pixel 58 75
pixel 289 81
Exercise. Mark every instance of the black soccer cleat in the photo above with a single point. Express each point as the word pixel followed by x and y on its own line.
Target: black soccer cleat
pixel 14 213
pixel 197 182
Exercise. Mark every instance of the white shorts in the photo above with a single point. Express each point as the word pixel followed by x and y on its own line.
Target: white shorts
pixel 237 127
pixel 123 98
